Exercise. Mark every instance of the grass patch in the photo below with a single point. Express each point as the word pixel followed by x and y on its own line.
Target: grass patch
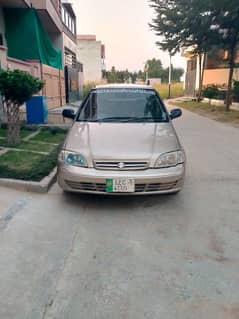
pixel 23 132
pixel 50 136
pixel 215 112
pixel 176 90
pixel 26 165
pixel 28 145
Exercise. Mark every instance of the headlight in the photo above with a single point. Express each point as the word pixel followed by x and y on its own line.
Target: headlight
pixel 170 159
pixel 73 159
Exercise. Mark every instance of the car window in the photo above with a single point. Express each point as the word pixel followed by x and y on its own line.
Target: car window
pixel 131 105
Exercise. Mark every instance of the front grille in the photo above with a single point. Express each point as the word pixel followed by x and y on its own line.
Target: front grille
pixel 87 186
pixel 154 187
pixel 139 188
pixel 121 165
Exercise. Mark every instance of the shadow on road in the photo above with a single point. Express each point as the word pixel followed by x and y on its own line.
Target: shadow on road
pixel 116 203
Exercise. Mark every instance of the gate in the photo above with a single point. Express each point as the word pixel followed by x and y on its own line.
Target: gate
pixel 72 84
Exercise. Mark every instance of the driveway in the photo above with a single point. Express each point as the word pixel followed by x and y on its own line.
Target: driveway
pixel 86 257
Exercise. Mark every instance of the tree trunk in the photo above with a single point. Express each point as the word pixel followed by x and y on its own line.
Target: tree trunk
pixel 3 115
pixel 13 132
pixel 200 78
pixel 230 78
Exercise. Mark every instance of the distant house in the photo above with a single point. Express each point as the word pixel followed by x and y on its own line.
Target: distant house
pixel 91 53
pixel 216 70
pixel 155 81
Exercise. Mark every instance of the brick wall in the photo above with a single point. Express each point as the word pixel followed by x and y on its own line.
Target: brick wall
pixel 54 88
pixel 218 76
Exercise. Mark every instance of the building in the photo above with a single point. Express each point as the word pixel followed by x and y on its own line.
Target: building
pixel 73 69
pixel 216 70
pixel 38 23
pixel 91 53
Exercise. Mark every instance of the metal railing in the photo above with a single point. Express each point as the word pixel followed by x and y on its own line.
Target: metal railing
pixel 70 58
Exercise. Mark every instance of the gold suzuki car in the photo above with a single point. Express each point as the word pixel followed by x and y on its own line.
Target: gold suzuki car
pixel 122 141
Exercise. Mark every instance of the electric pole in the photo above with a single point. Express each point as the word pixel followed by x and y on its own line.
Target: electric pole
pixel 169 75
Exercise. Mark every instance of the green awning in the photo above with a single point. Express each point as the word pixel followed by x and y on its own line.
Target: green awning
pixel 27 38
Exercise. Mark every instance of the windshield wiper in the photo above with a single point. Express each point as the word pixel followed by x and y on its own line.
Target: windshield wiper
pixel 145 119
pixel 126 119
pixel 115 119
pixel 151 119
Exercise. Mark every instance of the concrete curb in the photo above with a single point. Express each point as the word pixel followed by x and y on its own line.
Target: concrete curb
pixel 36 187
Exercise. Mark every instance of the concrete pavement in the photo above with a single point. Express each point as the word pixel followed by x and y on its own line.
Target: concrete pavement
pixel 73 105
pixel 87 257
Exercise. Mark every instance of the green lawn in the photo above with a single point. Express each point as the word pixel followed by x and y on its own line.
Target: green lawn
pixel 50 136
pixel 29 145
pixel 18 161
pixel 25 164
pixel 23 132
pixel 176 90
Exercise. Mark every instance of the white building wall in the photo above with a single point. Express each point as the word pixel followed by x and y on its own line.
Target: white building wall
pixel 198 73
pixel 89 54
pixel 67 42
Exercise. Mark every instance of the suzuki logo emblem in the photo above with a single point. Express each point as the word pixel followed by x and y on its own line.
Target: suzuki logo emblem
pixel 121 165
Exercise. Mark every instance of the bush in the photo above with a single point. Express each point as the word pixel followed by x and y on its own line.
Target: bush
pixel 236 91
pixel 16 87
pixel 210 92
pixel 222 94
pixel 86 89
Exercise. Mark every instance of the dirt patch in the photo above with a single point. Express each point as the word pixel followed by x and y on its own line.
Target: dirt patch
pixel 216 113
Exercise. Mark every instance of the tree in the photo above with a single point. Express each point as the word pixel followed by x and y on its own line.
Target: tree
pixel 120 76
pixel 16 88
pixel 184 23
pixel 111 76
pixel 141 75
pixel 200 25
pixel 134 76
pixel 154 68
pixel 225 15
pixel 177 73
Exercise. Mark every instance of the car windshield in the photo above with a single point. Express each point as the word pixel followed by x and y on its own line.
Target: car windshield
pixel 123 105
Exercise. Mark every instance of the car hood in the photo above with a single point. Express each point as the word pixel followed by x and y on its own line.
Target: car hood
pixel 121 140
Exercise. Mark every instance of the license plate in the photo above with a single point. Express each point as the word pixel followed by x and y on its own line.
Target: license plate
pixel 120 185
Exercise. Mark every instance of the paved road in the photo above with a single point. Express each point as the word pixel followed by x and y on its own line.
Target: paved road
pixel 85 257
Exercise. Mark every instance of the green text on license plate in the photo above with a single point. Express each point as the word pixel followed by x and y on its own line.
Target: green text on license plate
pixel 120 185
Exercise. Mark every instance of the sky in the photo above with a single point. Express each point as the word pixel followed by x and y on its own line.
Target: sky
pixel 123 27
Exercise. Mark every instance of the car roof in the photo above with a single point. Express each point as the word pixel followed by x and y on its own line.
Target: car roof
pixel 125 86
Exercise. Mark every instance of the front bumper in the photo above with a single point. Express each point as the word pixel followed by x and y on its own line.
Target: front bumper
pixel 148 181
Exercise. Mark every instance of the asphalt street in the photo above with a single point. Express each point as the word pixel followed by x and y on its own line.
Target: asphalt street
pixel 153 257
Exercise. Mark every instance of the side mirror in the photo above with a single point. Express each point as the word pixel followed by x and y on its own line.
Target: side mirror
pixel 175 113
pixel 69 113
